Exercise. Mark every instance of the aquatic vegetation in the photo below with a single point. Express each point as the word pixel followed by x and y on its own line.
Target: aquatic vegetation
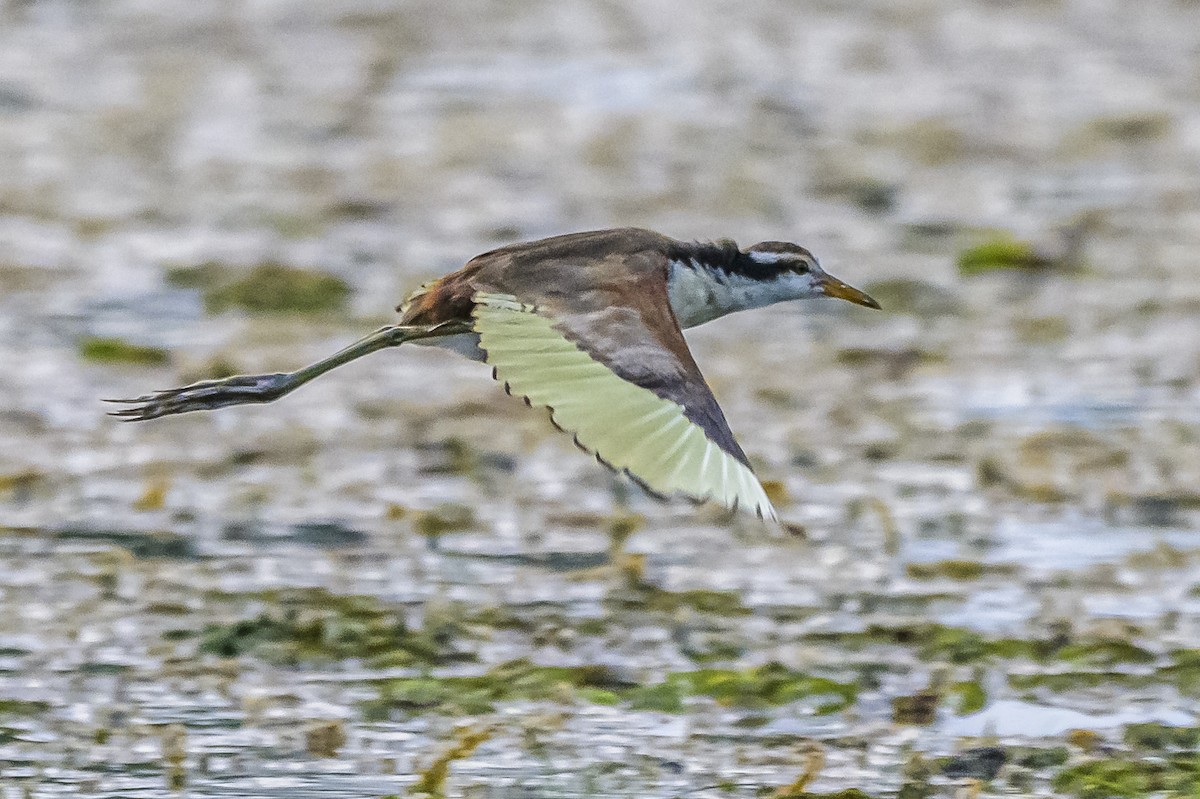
pixel 473 695
pixel 1002 251
pixel 1040 759
pixel 313 624
pixel 769 684
pixel 919 708
pixel 431 780
pixel 448 517
pixel 978 763
pixel 1102 778
pixel 847 793
pixel 764 686
pixel 971 696
pixel 936 642
pixel 269 287
pixel 324 739
pixel 1160 737
pixel 120 351
pixel 1103 653
pixel 645 597
pixel 22 707
pixel 953 569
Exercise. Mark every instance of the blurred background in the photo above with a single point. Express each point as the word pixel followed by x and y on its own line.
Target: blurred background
pixel 400 581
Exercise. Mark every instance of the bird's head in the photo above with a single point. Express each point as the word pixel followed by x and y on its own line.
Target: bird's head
pixel 795 274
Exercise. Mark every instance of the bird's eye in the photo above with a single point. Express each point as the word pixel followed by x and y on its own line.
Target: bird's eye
pixel 801 268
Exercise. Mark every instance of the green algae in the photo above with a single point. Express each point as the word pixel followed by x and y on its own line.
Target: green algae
pixel 1160 737
pixel 645 597
pixel 119 351
pixel 936 642
pixel 1105 659
pixel 313 624
pixel 448 517
pixel 953 569
pixel 475 695
pixel 1077 680
pixel 207 275
pixel 1040 759
pixel 764 686
pixel 1103 653
pixel 22 707
pixel 971 696
pixel 958 645
pixel 268 288
pixel 1177 775
pixel 919 708
pixel 1002 251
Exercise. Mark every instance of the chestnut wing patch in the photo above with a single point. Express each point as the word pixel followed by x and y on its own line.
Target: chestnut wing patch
pixel 629 428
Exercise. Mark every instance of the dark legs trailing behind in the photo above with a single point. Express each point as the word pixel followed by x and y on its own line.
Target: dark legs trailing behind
pixel 208 395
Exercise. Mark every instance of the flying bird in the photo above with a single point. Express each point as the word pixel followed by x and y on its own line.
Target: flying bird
pixel 588 325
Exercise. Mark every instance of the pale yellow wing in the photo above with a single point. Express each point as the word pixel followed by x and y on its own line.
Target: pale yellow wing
pixel 629 428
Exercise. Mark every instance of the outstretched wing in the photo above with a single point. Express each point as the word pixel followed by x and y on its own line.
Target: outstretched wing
pixel 619 377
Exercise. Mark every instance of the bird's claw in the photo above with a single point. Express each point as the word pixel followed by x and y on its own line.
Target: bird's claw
pixel 206 395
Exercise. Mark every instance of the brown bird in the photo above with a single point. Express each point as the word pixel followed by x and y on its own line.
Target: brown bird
pixel 589 326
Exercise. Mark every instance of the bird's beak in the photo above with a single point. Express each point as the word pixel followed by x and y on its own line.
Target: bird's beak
pixel 830 286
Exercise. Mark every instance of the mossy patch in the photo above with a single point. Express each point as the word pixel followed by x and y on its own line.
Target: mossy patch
pixel 22 707
pixel 896 358
pixel 919 708
pixel 645 597
pixel 1103 653
pixel 208 275
pixel 473 695
pixel 1039 759
pixel 1060 682
pixel 847 793
pixel 763 686
pixel 1177 775
pixel 952 569
pixel 937 642
pixel 1002 251
pixel 971 696
pixel 269 288
pixel 768 685
pixel 1160 737
pixel 449 517
pixel 119 351
pixel 313 624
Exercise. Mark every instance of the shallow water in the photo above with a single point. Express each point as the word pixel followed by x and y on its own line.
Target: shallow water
pixel 989 489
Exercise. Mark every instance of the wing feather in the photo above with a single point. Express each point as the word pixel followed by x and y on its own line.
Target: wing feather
pixel 627 426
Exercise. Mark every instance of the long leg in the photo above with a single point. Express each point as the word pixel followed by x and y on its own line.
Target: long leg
pixel 208 395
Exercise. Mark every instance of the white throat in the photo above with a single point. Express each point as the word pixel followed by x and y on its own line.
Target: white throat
pixel 699 295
